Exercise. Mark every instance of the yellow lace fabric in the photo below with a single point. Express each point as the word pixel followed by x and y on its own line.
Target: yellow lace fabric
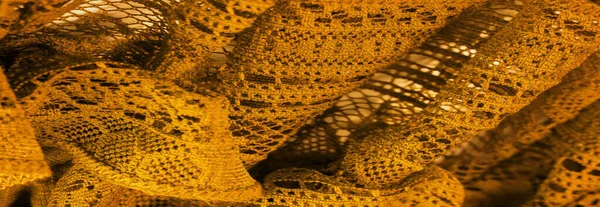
pixel 488 88
pixel 558 170
pixel 327 47
pixel 511 161
pixel 299 103
pixel 531 124
pixel 21 158
pixel 399 91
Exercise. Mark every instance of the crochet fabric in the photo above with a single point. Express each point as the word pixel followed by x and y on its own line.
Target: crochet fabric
pixel 299 103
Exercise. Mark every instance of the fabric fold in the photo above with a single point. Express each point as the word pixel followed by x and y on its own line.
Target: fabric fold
pixel 141 133
pixel 21 158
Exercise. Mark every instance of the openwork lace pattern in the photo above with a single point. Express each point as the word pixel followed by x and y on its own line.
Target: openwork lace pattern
pixel 299 103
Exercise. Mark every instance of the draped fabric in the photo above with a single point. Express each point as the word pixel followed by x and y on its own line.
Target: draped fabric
pixel 299 103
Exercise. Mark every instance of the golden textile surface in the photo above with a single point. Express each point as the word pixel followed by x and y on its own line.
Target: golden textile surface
pixel 299 103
